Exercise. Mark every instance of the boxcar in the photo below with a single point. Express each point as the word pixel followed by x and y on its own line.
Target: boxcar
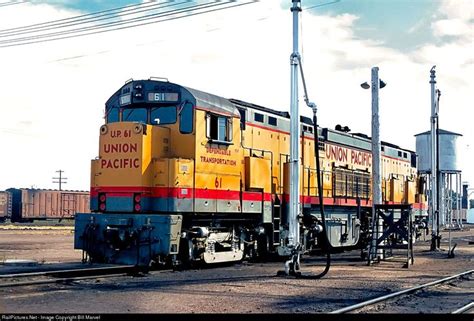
pixel 5 205
pixel 36 204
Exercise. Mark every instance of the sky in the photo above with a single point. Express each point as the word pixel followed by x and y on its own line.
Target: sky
pixel 53 93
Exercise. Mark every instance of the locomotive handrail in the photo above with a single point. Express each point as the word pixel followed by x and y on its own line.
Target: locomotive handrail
pixel 158 78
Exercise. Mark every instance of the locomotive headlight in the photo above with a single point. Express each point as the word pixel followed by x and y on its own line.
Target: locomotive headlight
pixel 138 91
pixel 104 129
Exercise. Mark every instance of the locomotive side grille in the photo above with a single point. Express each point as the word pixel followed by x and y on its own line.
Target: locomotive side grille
pixel 351 184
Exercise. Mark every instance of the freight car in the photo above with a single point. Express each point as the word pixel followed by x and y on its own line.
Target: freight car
pixel 40 204
pixel 5 206
pixel 185 176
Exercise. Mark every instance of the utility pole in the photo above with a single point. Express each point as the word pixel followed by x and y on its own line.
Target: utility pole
pixel 434 164
pixel 376 148
pixel 61 180
pixel 377 225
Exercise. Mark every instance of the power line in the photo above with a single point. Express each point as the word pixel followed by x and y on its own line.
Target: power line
pixel 25 40
pixel 105 25
pixel 73 21
pixel 12 3
pixel 321 5
pixel 187 12
pixel 75 17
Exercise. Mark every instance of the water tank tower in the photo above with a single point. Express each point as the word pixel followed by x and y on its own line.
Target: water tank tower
pixel 449 176
pixel 448 151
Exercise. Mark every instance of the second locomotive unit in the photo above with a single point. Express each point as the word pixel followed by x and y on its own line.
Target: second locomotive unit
pixel 185 176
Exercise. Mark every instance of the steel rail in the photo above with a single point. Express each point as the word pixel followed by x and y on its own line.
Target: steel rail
pixel 98 270
pixel 59 280
pixel 395 294
pixel 463 309
pixel 70 279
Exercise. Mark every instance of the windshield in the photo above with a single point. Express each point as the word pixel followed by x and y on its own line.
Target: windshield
pixel 163 115
pixel 135 114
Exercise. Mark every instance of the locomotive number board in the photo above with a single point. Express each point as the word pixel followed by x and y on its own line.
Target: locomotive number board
pixel 163 97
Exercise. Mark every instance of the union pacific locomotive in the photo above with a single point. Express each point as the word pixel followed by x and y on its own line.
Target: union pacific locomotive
pixel 186 176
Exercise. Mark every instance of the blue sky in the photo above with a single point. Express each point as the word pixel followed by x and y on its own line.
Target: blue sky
pixel 95 5
pixel 398 24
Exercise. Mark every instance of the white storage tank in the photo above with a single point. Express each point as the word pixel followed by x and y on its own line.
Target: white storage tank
pixel 448 151
pixel 470 216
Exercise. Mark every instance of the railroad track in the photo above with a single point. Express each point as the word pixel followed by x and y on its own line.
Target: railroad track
pixel 64 276
pixel 71 275
pixel 401 293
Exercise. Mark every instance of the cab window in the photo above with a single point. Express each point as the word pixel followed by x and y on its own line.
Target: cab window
pixel 219 128
pixel 186 118
pixel 112 115
pixel 135 114
pixel 163 115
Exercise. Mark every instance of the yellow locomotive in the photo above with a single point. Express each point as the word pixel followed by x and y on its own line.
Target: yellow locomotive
pixel 185 176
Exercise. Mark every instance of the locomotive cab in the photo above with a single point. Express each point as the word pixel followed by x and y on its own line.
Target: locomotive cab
pixel 147 172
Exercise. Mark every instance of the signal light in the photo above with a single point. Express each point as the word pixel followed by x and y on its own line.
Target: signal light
pixel 136 202
pixel 102 200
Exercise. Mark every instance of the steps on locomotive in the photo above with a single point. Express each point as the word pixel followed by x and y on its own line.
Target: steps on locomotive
pixel 276 224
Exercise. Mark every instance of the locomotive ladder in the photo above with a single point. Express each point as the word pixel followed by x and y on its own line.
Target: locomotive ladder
pixel 276 224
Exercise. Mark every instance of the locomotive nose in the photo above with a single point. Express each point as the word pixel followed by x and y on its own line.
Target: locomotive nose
pixel 121 172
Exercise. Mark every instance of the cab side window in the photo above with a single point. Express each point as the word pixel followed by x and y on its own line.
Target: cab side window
pixel 219 128
pixel 186 118
pixel 112 115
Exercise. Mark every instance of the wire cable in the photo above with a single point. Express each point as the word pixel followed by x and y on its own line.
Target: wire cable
pixel 187 12
pixel 12 3
pixel 84 20
pixel 321 5
pixel 112 24
pixel 75 17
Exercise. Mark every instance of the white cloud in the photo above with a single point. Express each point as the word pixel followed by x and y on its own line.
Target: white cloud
pixel 241 53
pixel 450 27
pixel 457 19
